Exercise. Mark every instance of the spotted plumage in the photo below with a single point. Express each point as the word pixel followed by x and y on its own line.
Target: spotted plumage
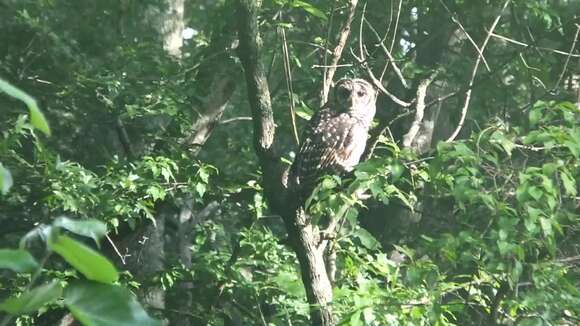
pixel 335 138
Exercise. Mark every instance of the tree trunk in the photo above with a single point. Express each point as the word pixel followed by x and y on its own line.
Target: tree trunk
pixel 170 25
pixel 305 239
pixel 301 232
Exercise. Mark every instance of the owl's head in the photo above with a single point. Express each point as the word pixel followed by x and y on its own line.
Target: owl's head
pixel 355 96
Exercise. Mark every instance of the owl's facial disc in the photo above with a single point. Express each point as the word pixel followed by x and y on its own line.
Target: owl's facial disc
pixel 343 93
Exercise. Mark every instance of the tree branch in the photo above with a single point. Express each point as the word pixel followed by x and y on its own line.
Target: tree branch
pixel 456 21
pixel 388 54
pixel 302 234
pixel 419 109
pixel 473 74
pixel 337 53
pixel 222 89
pixel 258 91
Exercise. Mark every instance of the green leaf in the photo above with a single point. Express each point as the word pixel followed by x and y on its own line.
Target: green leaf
pixel 366 239
pixel 200 189
pixel 96 304
pixel 309 8
pixel 568 183
pixel 329 183
pixel 397 170
pixel 84 259
pixel 290 283
pixel 90 228
pixel 304 112
pixel 5 180
pixel 535 192
pixel 32 300
pixel 535 115
pixel 516 272
pixel 355 319
pixel 36 117
pixel 546 225
pixel 20 261
pixel 204 175
pixel 503 247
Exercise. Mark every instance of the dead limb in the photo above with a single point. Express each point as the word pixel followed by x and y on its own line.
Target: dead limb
pixel 419 110
pixel 473 74
pixel 337 53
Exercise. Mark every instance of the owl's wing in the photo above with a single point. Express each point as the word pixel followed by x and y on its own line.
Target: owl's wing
pixel 327 144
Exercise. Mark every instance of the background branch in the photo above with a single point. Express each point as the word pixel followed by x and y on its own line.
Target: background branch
pixel 473 74
pixel 337 53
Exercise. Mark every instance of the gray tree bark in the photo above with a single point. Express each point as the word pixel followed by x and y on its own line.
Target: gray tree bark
pixel 303 235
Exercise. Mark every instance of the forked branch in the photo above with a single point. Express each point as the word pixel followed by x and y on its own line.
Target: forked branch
pixel 337 53
pixel 474 73
pixel 303 236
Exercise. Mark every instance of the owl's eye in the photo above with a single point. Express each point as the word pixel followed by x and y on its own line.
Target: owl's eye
pixel 361 93
pixel 343 93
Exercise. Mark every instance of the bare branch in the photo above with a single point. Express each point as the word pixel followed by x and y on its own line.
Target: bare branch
pixel 258 91
pixel 456 21
pixel 389 55
pixel 568 58
pixel 235 120
pixel 222 89
pixel 288 77
pixel 396 26
pixel 380 86
pixel 509 40
pixel 361 52
pixel 335 66
pixel 419 109
pixel 474 73
pixel 115 249
pixel 337 53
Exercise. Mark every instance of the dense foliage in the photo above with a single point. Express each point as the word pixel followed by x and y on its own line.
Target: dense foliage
pixel 482 229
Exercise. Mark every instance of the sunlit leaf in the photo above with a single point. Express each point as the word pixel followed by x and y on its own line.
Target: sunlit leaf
pixel 84 259
pixel 569 184
pixel 97 304
pixel 32 300
pixel 290 283
pixel 20 261
pixel 36 116
pixel 91 228
pixel 5 180
pixel 366 239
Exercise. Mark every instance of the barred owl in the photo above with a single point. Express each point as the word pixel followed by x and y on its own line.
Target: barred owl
pixel 336 135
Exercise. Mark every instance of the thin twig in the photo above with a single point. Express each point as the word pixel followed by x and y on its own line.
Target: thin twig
pixel 326 50
pixel 235 119
pixel 388 54
pixel 509 40
pixel 396 26
pixel 335 66
pixel 318 46
pixel 380 86
pixel 337 53
pixel 384 38
pixel 568 58
pixel 360 34
pixel 288 77
pixel 115 248
pixel 473 74
pixel 442 98
pixel 456 21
